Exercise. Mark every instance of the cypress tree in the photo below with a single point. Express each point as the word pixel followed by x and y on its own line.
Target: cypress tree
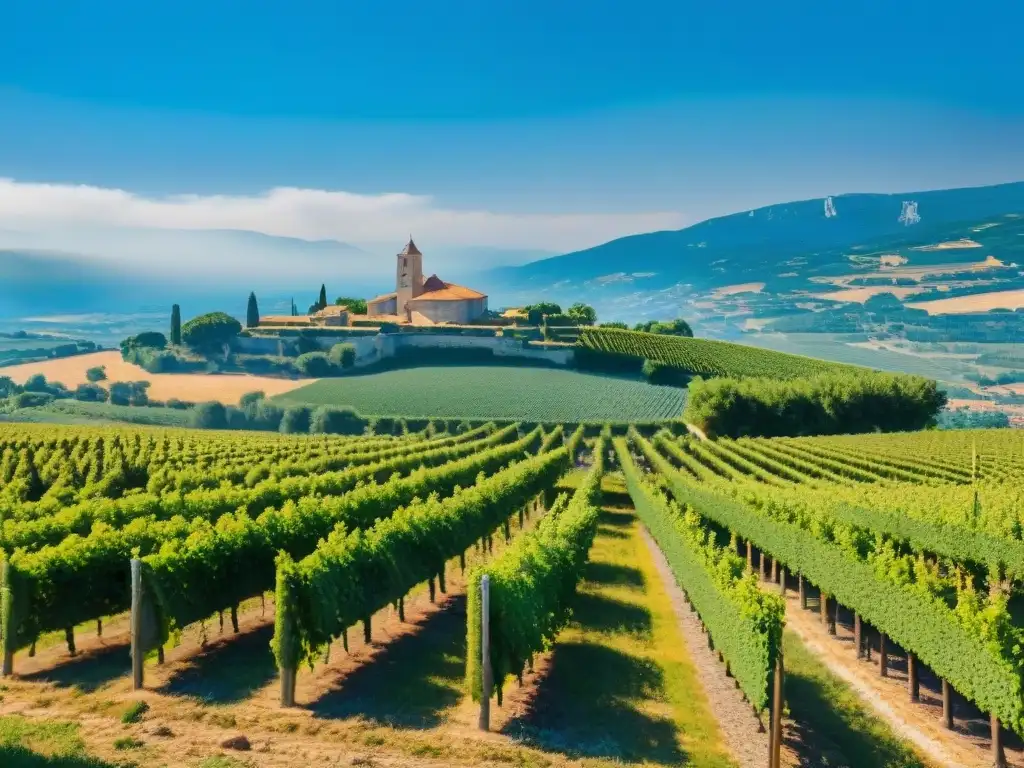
pixel 295 310
pixel 323 297
pixel 252 313
pixel 176 325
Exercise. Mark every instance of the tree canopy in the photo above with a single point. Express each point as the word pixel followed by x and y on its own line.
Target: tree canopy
pixel 252 312
pixel 583 314
pixel 677 327
pixel 211 330
pixel 355 306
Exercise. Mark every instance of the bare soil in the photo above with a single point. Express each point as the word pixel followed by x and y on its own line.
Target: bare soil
pixel 228 388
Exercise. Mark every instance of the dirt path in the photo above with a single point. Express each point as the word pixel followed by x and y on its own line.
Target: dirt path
pixel 746 739
pixel 967 746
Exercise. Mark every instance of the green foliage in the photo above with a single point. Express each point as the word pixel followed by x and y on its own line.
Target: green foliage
pixel 36 383
pixel 532 584
pixel 663 374
pixel 702 357
pixel 252 312
pixel 210 331
pixel 331 420
pixel 614 324
pixel 129 393
pixel 495 392
pixel 295 419
pixel 322 301
pixel 135 712
pixel 343 355
pixel 351 575
pixel 677 327
pixel 175 337
pixel 824 404
pixel 315 364
pixel 147 340
pixel 355 306
pixel 97 373
pixel 745 623
pixel 209 415
pixel 535 312
pixel 876 566
pixel 90 393
pixel 583 314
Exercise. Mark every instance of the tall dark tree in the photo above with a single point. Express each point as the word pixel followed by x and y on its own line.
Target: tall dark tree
pixel 252 312
pixel 323 297
pixel 295 310
pixel 176 325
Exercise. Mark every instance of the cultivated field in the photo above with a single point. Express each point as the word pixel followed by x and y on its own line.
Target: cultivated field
pixel 981 302
pixel 227 388
pixel 496 392
pixel 363 648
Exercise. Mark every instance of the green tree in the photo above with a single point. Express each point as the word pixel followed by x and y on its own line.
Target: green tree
pixel 314 364
pixel 343 355
pixel 355 306
pixel 535 312
pixel 8 387
pixel 330 420
pixel 36 383
pixel 252 312
pixel 295 310
pixel 210 415
pixel 176 325
pixel 98 373
pixel 210 331
pixel 295 420
pixel 584 314
pixel 322 302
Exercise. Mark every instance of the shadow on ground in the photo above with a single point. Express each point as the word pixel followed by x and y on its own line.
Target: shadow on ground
pixel 411 682
pixel 228 671
pixel 88 671
pixel 611 573
pixel 19 757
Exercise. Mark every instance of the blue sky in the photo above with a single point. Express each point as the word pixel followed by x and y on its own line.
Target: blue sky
pixel 550 125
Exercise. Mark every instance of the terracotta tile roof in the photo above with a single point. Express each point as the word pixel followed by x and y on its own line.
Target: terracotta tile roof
pixel 450 292
pixel 383 297
pixel 434 283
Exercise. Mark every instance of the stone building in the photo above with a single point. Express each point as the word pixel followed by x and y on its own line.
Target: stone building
pixel 425 301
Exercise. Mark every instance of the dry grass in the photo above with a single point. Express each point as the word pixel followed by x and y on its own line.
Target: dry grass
pixel 981 302
pixel 196 387
pixel 860 295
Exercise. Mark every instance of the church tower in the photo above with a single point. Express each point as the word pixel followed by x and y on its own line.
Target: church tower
pixel 409 275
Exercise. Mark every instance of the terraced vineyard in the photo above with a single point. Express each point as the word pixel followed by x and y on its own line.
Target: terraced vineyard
pixel 919 535
pixel 705 357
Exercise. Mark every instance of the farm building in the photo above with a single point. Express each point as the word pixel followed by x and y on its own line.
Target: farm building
pixel 425 301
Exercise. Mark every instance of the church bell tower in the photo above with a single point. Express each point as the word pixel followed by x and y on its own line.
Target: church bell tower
pixel 409 275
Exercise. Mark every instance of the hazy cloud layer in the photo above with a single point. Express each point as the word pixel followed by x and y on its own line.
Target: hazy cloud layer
pixel 314 214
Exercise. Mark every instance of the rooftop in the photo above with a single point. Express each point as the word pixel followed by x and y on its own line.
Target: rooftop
pixel 410 249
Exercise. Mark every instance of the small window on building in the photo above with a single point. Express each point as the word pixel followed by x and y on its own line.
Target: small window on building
pixel 405 262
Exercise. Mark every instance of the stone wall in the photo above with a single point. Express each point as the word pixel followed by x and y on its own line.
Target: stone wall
pixel 371 349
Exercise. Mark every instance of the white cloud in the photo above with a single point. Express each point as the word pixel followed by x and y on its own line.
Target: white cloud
pixel 314 214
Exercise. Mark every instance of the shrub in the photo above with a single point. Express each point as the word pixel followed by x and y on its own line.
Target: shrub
pixel 178 405
pixel 147 340
pixel 295 420
pixel 209 415
pixel 268 416
pixel 315 364
pixel 32 399
pixel 664 374
pixel 331 420
pixel 90 393
pixel 98 373
pixel 250 399
pixel 135 712
pixel 36 383
pixel 343 355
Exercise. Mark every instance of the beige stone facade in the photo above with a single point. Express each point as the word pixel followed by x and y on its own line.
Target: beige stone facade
pixel 429 301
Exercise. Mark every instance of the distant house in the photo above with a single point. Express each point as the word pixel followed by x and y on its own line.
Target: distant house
pixel 328 316
pixel 425 301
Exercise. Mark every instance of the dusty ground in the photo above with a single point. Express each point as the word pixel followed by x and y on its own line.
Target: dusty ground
pixel 981 302
pixel 196 387
pixel 967 746
pixel 745 737
pixel 732 290
pixel 861 295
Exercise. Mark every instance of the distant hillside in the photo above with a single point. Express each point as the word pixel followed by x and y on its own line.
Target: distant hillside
pixel 797 238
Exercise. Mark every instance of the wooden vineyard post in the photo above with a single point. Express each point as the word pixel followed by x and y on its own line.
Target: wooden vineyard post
pixel 912 681
pixel 947 705
pixel 823 607
pixel 803 592
pixel 883 656
pixel 138 654
pixel 775 739
pixel 857 640
pixel 762 566
pixel 485 653
pixel 750 556
pixel 775 571
pixel 998 755
pixel 782 581
pixel 6 619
